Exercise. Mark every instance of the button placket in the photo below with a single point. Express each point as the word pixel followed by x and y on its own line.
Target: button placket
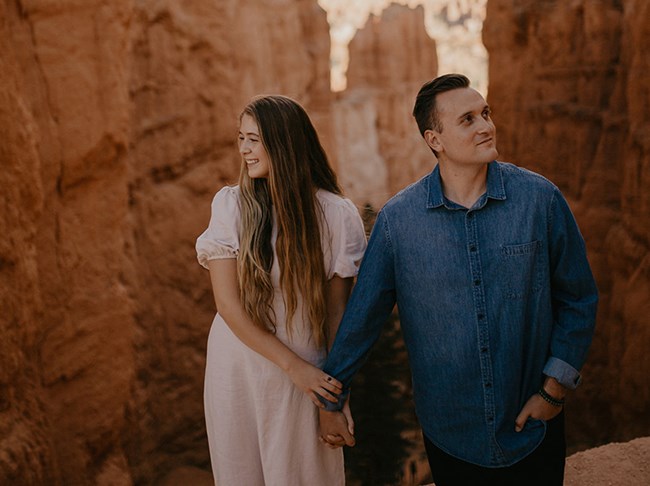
pixel 482 323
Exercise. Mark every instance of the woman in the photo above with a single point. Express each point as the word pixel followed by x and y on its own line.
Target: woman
pixel 282 249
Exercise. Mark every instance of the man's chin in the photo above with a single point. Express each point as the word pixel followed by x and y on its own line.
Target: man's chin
pixel 493 154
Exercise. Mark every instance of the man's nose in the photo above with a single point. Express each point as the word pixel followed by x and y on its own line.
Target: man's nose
pixel 485 125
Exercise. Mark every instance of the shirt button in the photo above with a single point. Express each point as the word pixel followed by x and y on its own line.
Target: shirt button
pixel 472 248
pixel 490 419
pixel 481 316
pixel 477 282
pixel 484 350
pixel 488 385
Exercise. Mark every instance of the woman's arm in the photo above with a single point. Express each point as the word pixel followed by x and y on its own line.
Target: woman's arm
pixel 336 298
pixel 225 287
pixel 337 293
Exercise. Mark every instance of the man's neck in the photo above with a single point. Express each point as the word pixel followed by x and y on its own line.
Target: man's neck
pixel 463 185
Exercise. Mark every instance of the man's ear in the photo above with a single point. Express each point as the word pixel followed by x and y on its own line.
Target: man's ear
pixel 431 137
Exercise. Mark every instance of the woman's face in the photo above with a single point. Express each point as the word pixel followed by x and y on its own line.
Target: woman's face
pixel 252 149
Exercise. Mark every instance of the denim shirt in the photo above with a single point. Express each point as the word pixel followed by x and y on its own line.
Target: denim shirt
pixel 490 300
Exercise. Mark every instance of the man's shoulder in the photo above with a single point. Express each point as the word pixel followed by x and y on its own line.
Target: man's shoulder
pixel 413 194
pixel 516 177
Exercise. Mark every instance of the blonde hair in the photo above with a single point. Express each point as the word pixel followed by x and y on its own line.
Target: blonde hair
pixel 298 167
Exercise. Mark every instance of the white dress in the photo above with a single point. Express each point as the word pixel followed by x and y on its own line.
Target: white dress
pixel 262 430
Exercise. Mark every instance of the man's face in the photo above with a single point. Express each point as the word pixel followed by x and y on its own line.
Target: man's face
pixel 467 135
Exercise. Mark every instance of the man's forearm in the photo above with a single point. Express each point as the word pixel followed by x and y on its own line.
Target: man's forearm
pixel 554 388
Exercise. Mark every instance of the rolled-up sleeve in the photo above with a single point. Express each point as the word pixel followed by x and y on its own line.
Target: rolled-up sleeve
pixel 574 295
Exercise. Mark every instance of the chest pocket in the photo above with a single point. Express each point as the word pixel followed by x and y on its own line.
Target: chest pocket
pixel 521 269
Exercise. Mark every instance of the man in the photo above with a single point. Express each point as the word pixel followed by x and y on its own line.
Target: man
pixel 496 299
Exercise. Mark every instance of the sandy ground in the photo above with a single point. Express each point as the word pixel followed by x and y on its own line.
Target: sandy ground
pixel 615 464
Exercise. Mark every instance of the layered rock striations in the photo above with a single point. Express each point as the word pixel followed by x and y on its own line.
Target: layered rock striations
pixel 379 148
pixel 568 84
pixel 118 124
pixel 68 330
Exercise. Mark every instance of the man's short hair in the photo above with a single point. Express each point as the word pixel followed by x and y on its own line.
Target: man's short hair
pixel 424 111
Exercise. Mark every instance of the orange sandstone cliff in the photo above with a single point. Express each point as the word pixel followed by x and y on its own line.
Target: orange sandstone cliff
pixel 117 124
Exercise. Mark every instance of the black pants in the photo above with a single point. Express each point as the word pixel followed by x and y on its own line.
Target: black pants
pixel 544 466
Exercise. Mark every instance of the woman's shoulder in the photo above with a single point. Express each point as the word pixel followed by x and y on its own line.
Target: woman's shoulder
pixel 339 211
pixel 228 192
pixel 345 234
pixel 225 203
pixel 226 196
pixel 336 202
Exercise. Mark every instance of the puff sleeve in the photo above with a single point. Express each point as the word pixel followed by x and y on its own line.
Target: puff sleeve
pixel 221 239
pixel 346 235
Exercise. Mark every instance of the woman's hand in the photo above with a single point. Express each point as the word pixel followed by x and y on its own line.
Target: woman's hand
pixel 314 381
pixel 308 378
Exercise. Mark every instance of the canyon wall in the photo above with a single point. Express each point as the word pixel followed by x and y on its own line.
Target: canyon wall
pixel 118 123
pixel 379 147
pixel 570 92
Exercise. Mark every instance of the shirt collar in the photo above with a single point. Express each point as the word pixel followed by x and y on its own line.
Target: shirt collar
pixel 495 188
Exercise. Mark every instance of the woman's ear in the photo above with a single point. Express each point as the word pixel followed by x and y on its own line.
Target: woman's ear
pixel 431 137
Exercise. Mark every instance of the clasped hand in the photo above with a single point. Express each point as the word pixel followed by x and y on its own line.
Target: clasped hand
pixel 337 428
pixel 314 381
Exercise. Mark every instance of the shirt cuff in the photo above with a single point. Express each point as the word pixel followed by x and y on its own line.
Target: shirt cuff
pixel 565 374
pixel 335 406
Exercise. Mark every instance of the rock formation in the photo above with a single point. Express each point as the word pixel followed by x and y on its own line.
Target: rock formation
pixel 67 363
pixel 454 24
pixel 118 123
pixel 379 148
pixel 569 88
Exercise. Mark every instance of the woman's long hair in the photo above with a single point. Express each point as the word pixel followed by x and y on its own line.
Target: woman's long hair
pixel 298 167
